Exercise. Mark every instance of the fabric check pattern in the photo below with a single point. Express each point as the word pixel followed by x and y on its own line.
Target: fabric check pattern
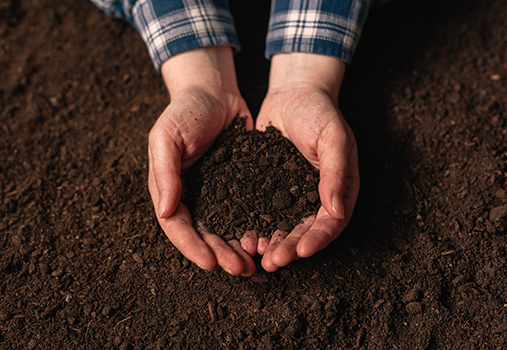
pixel 328 27
pixel 168 27
pixel 171 27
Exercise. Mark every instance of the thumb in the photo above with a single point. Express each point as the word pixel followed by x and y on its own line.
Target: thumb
pixel 335 162
pixel 165 168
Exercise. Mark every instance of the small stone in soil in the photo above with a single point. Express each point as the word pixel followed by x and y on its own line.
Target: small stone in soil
pixel 414 308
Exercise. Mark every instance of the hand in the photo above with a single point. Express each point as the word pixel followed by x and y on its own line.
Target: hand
pixel 204 101
pixel 302 103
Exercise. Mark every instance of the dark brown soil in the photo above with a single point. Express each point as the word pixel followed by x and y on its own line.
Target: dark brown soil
pixel 422 265
pixel 251 180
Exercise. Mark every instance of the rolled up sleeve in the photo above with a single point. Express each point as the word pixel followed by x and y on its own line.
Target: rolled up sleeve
pixel 327 27
pixel 171 27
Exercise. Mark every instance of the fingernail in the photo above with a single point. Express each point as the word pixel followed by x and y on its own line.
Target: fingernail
pixel 202 267
pixel 227 270
pixel 162 207
pixel 337 206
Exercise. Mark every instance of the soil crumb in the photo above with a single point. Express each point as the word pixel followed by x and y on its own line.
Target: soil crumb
pixel 251 180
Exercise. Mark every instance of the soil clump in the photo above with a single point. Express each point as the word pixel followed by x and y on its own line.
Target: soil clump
pixel 251 180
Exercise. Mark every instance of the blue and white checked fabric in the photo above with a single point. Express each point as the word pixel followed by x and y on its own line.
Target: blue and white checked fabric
pixel 171 27
pixel 116 8
pixel 168 27
pixel 327 27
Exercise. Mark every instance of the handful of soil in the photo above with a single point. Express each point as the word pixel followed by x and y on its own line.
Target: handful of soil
pixel 251 181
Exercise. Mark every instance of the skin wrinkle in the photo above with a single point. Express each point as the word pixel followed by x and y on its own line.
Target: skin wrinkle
pixel 285 69
pixel 218 100
pixel 183 129
pixel 154 137
pixel 201 229
pixel 223 252
pixel 342 173
pixel 178 221
pixel 319 130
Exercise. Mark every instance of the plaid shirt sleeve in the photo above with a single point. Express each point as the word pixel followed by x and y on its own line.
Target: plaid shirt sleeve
pixel 327 27
pixel 171 27
pixel 168 27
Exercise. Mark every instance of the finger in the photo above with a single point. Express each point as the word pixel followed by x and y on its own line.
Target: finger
pixel 352 186
pixel 249 265
pixel 286 250
pixel 242 112
pixel 338 165
pixel 323 231
pixel 249 125
pixel 249 242
pixel 245 112
pixel 276 239
pixel 178 228
pixel 165 165
pixel 260 124
pixel 262 245
pixel 152 185
pixel 226 257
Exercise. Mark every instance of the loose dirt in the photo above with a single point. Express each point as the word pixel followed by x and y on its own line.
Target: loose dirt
pixel 251 180
pixel 422 264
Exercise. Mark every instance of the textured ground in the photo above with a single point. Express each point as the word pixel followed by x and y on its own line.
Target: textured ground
pixel 84 265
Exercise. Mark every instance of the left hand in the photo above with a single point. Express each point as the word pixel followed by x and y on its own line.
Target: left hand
pixel 302 103
pixel 204 101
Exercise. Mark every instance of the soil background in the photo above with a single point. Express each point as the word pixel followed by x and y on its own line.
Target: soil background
pixel 422 265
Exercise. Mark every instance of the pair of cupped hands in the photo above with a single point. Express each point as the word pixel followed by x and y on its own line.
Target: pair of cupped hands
pixel 302 102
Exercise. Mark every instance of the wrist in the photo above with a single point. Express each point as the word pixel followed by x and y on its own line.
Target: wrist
pixel 210 68
pixel 297 70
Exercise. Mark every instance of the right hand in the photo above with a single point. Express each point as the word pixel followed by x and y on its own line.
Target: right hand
pixel 204 101
pixel 302 102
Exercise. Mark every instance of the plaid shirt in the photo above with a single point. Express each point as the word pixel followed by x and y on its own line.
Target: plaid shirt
pixel 328 27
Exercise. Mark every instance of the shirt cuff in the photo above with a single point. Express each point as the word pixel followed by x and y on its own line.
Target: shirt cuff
pixel 171 27
pixel 326 27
